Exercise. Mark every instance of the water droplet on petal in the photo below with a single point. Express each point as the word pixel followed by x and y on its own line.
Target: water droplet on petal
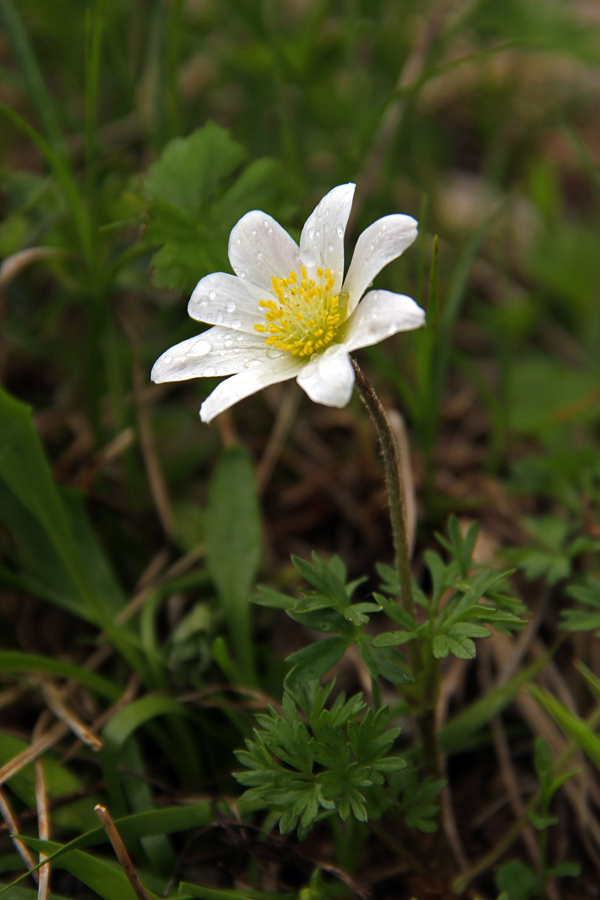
pixel 209 372
pixel 318 233
pixel 340 230
pixel 242 274
pixel 236 349
pixel 230 306
pixel 239 241
pixel 228 342
pixel 253 232
pixel 236 323
pixel 270 231
pixel 212 295
pixel 327 211
pixel 372 247
pixel 250 363
pixel 330 247
pixel 240 337
pixel 308 259
pixel 222 353
pixel 167 359
pixel 274 354
pixel 259 254
pixel 266 223
pixel 218 318
pixel 201 348
pixel 202 304
pixel 310 234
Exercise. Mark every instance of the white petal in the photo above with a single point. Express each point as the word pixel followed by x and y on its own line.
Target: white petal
pixel 218 351
pixel 249 381
pixel 221 299
pixel 329 377
pixel 378 245
pixel 379 315
pixel 322 239
pixel 259 249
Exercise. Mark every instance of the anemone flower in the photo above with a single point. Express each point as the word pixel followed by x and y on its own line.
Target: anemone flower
pixel 288 312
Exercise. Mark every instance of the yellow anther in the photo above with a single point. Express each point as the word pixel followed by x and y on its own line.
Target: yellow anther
pixel 304 316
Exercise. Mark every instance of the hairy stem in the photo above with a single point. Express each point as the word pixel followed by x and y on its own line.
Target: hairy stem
pixel 429 688
pixel 391 461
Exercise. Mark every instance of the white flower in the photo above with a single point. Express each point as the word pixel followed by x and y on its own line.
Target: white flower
pixel 288 312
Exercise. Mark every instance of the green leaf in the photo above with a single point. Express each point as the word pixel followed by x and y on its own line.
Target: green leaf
pixel 324 576
pixel 518 879
pixel 461 647
pixel 194 202
pixel 314 661
pixel 392 638
pixel 575 728
pixel 15 661
pixel 131 717
pixel 540 822
pixel 384 661
pixel 266 596
pixel 107 881
pixel 24 468
pixel 60 528
pixel 233 546
pixel 566 869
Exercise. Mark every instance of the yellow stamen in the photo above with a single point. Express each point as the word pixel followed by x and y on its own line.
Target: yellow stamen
pixel 306 317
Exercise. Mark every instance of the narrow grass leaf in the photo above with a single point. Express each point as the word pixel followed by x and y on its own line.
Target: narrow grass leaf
pixel 101 877
pixel 233 546
pixel 16 661
pixel 575 728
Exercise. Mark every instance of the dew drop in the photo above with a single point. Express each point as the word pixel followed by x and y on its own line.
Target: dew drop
pixel 270 231
pixel 228 342
pixel 210 371
pixel 308 259
pixel 201 348
pixel 330 248
pixel 239 241
pixel 274 354
pixel 240 338
pixel 212 295
pixel 327 211
pixel 230 306
pixel 372 247
pixel 241 274
pixel 236 349
pixel 167 359
pixel 318 233
pixel 222 353
pixel 253 232
pixel 202 304
pixel 310 234
pixel 340 230
pixel 237 324
pixel 250 363
pixel 266 223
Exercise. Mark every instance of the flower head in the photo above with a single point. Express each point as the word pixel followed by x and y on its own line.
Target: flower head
pixel 288 312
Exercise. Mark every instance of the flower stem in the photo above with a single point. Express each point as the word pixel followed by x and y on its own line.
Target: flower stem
pixel 424 699
pixel 391 461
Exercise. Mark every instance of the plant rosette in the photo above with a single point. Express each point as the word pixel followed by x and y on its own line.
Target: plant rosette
pixel 288 312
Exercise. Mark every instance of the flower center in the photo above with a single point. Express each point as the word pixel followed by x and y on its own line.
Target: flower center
pixel 306 317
